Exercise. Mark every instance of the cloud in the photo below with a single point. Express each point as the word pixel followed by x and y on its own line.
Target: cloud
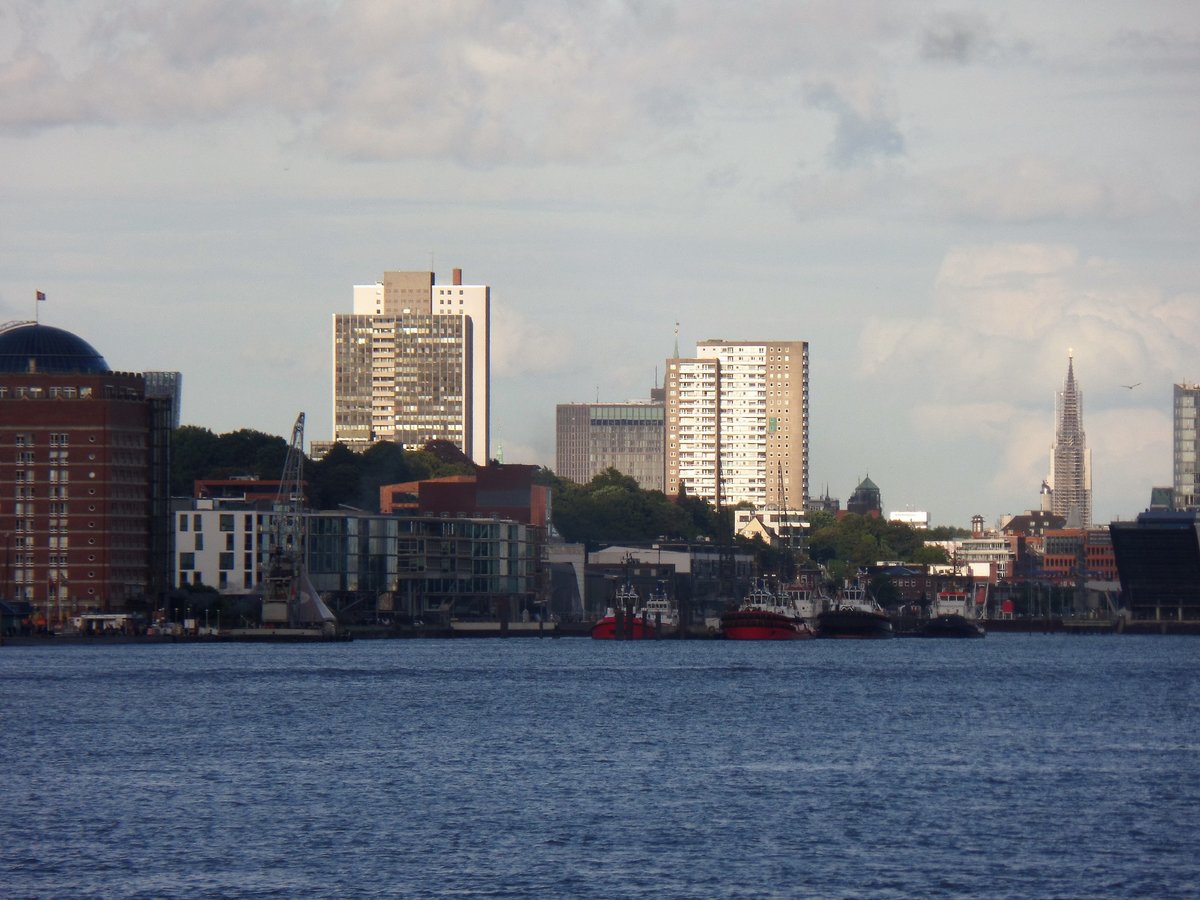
pixel 1032 188
pixel 985 360
pixel 524 346
pixel 864 131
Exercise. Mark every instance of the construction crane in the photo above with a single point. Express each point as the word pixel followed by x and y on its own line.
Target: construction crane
pixel 288 595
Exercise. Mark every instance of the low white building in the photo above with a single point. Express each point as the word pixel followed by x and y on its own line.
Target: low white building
pixel 915 517
pixel 222 547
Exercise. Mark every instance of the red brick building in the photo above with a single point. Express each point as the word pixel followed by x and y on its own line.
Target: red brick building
pixel 506 492
pixel 84 511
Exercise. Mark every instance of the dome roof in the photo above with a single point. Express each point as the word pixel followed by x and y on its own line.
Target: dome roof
pixel 32 347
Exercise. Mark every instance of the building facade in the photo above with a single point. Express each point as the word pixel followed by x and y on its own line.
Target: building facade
pixel 737 423
pixel 1070 460
pixel 628 437
pixel 84 455
pixel 1186 445
pixel 411 364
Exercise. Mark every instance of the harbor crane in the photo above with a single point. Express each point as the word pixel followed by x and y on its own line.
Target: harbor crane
pixel 288 595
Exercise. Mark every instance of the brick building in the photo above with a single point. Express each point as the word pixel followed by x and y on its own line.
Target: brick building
pixel 84 509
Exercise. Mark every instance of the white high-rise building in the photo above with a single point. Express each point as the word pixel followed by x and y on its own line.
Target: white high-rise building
pixel 412 364
pixel 737 423
pixel 1187 481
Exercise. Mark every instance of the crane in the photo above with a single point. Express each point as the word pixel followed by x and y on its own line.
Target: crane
pixel 288 595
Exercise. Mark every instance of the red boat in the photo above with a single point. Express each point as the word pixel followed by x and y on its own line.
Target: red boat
pixel 656 618
pixel 764 617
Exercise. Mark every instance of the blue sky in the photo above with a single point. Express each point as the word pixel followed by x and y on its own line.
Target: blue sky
pixel 942 198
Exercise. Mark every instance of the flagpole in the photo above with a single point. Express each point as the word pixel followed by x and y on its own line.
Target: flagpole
pixel 39 297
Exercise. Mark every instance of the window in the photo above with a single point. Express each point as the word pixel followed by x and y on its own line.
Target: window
pixel 226 521
pixel 183 522
pixel 187 562
pixel 225 562
pixel 199 541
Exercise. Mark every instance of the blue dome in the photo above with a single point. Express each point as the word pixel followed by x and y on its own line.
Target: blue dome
pixel 31 347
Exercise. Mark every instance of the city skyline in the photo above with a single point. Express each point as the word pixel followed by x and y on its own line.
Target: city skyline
pixel 939 201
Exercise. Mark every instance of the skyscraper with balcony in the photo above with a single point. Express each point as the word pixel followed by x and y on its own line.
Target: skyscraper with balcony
pixel 411 364
pixel 1187 483
pixel 737 423
pixel 1070 460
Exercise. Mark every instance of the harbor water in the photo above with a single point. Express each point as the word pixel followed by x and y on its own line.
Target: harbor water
pixel 1015 766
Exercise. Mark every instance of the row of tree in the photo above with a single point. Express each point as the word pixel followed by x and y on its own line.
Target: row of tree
pixel 342 478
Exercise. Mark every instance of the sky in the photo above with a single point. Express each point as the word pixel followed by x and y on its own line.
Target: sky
pixel 943 199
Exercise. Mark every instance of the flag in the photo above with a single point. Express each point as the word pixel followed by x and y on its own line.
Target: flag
pixel 41 295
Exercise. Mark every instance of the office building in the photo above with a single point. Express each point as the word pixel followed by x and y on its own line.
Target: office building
pixel 737 423
pixel 83 477
pixel 628 437
pixel 1070 480
pixel 1187 483
pixel 411 364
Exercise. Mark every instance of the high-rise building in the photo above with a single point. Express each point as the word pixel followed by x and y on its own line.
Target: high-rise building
pixel 411 364
pixel 1070 478
pixel 628 437
pixel 83 477
pixel 737 423
pixel 1187 481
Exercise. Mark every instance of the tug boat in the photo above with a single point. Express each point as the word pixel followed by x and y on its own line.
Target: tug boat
pixel 762 616
pixel 629 619
pixel 953 616
pixel 854 614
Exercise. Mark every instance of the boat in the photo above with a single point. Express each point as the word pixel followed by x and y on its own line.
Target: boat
pixel 953 616
pixel 630 619
pixel 763 616
pixel 854 614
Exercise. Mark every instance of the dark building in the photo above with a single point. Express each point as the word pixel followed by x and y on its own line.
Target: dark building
pixel 866 500
pixel 84 452
pixel 1158 560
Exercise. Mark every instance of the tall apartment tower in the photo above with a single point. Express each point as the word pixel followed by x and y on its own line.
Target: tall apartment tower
pixel 1187 482
pixel 628 437
pixel 1070 460
pixel 737 423
pixel 411 364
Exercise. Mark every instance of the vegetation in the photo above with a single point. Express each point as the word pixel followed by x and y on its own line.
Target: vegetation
pixel 612 508
pixel 342 479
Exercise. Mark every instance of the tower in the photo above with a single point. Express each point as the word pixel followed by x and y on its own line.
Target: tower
pixel 737 423
pixel 1187 481
pixel 412 364
pixel 1070 461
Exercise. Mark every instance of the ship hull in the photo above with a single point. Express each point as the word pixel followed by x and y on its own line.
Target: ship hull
pixel 951 626
pixel 763 626
pixel 858 624
pixel 635 629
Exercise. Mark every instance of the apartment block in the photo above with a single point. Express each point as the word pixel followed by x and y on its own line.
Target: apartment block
pixel 737 423
pixel 411 364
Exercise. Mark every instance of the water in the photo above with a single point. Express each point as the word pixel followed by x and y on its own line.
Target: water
pixel 1016 766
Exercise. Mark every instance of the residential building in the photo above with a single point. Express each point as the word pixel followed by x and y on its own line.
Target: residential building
pixel 737 423
pixel 500 491
pixel 426 567
pixel 1070 479
pixel 628 437
pixel 411 364
pixel 1187 479
pixel 83 477
pixel 222 543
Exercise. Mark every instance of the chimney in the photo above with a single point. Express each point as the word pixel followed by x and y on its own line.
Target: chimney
pixel 457 276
